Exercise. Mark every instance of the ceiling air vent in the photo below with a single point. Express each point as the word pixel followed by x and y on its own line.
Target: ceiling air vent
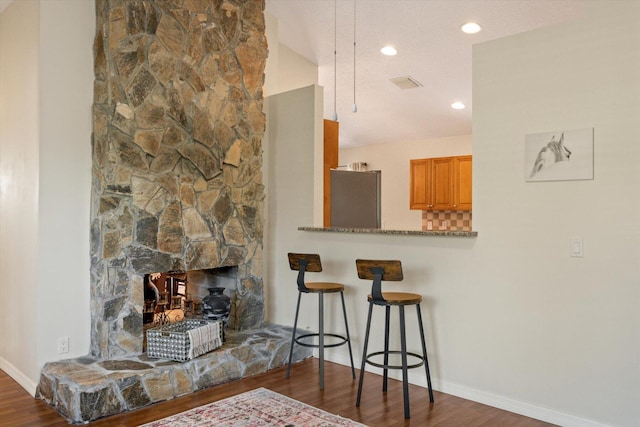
pixel 405 82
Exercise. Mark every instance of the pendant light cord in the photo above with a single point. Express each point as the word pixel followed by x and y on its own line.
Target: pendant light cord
pixel 335 42
pixel 355 106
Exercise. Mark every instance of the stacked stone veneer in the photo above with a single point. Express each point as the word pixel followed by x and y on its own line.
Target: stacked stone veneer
pixel 177 155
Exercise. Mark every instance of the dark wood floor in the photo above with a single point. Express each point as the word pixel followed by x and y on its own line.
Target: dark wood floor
pixel 18 408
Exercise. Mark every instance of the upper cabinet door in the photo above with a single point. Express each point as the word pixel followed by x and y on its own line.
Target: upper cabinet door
pixel 419 192
pixel 462 183
pixel 442 183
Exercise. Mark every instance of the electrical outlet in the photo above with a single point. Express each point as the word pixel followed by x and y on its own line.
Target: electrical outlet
pixel 63 345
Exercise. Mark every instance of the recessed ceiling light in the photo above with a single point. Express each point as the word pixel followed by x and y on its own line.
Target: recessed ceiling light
pixel 389 50
pixel 458 106
pixel 470 28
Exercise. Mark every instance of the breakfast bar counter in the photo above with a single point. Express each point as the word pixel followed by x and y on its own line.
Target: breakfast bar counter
pixel 438 233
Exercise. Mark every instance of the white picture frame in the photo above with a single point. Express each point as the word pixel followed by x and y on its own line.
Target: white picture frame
pixel 559 156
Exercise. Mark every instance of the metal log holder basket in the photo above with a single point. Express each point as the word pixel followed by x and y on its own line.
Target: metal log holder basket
pixel 171 341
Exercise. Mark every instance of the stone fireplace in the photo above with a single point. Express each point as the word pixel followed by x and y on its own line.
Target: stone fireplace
pixel 177 157
pixel 177 186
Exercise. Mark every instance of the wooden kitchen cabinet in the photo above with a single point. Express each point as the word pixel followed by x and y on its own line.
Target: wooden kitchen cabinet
pixel 441 183
pixel 462 169
pixel 331 130
pixel 420 193
pixel 432 184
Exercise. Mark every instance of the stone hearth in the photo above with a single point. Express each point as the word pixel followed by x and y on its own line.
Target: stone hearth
pixel 89 388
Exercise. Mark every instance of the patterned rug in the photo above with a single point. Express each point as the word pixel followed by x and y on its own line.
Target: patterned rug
pixel 259 407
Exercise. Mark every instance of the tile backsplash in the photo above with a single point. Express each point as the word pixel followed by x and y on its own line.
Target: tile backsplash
pixel 446 220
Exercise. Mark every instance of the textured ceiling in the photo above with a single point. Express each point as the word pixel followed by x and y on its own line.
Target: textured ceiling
pixel 431 49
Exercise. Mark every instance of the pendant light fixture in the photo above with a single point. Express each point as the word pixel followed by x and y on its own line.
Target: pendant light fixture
pixel 335 42
pixel 355 106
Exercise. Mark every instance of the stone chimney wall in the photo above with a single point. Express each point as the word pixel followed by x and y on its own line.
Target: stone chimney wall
pixel 177 154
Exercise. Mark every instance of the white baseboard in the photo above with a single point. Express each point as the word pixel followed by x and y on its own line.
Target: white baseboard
pixel 516 406
pixel 491 399
pixel 24 381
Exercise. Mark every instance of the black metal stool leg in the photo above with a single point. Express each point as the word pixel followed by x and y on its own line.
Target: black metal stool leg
pixel 321 336
pixel 346 327
pixel 405 374
pixel 293 335
pixel 424 353
pixel 385 374
pixel 364 353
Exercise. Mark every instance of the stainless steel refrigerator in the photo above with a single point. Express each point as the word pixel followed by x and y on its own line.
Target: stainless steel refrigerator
pixel 355 199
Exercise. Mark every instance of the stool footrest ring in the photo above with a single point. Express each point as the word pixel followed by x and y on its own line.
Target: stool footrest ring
pixel 305 344
pixel 381 365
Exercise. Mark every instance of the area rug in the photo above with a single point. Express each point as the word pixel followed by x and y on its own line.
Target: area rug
pixel 259 407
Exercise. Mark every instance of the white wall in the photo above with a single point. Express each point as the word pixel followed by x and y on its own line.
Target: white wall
pixel 511 319
pixel 19 140
pixel 47 92
pixel 4 4
pixel 393 160
pixel 66 93
pixel 576 319
pixel 290 159
pixel 285 70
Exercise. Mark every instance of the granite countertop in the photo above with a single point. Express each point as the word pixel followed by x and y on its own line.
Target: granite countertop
pixel 442 233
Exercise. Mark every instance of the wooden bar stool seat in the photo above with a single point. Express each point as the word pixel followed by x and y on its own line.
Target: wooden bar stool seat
pixel 311 263
pixel 391 270
pixel 324 287
pixel 400 298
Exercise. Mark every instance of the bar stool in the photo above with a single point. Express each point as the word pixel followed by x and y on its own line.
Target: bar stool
pixel 391 271
pixel 311 263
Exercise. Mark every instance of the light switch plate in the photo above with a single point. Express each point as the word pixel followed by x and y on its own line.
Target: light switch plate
pixel 576 248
